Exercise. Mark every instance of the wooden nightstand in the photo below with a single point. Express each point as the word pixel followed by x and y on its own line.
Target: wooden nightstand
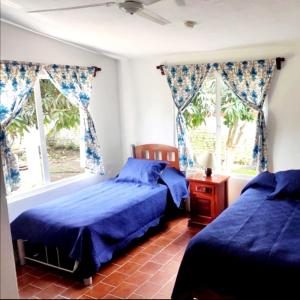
pixel 208 197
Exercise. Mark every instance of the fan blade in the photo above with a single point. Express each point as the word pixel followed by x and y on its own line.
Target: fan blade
pixel 180 2
pixel 149 2
pixel 145 13
pixel 73 7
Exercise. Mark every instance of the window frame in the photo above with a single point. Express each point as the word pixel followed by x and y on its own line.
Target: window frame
pixel 40 124
pixel 217 76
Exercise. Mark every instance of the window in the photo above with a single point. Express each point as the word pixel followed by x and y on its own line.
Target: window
pixel 220 123
pixel 45 138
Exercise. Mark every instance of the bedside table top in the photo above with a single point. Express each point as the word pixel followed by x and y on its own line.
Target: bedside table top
pixel 214 179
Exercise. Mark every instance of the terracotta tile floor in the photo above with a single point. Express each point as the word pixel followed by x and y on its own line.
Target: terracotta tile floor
pixel 146 269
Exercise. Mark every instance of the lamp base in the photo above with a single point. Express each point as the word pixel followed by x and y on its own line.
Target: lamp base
pixel 208 172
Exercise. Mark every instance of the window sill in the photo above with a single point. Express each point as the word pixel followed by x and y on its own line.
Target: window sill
pixel 50 187
pixel 241 177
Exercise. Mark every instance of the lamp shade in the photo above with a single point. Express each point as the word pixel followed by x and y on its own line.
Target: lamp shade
pixel 207 160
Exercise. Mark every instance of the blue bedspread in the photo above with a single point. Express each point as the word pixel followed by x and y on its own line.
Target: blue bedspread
pixel 94 223
pixel 251 250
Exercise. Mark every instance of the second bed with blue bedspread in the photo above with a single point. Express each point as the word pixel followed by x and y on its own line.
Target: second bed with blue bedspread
pixel 252 250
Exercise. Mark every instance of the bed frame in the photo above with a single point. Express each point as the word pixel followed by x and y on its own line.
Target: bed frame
pixel 146 151
pixel 157 152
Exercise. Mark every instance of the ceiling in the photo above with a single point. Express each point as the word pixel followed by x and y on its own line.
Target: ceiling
pixel 221 24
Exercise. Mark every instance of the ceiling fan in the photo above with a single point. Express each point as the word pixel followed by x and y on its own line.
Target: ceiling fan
pixel 130 6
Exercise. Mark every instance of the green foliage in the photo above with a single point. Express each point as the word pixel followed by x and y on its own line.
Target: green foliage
pixel 59 113
pixel 233 109
pixel 249 172
pixel 203 106
pixel 25 120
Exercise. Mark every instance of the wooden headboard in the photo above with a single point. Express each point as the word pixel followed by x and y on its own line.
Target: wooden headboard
pixel 157 152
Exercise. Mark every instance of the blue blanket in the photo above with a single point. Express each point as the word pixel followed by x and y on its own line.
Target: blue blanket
pixel 92 224
pixel 177 184
pixel 252 249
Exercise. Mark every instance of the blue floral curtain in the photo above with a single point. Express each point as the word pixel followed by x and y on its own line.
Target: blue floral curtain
pixel 76 84
pixel 250 81
pixel 184 82
pixel 16 84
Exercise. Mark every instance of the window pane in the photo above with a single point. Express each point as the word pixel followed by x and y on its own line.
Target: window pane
pixel 237 134
pixel 62 129
pixel 200 118
pixel 24 139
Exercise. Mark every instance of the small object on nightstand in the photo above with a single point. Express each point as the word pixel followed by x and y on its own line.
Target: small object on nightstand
pixel 208 197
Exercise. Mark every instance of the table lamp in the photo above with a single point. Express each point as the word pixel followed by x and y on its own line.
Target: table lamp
pixel 207 161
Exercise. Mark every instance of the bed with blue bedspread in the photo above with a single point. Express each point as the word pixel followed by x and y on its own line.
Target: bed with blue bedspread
pixel 252 250
pixel 94 223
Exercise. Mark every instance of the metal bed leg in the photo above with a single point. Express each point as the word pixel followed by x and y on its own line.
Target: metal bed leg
pixel 21 252
pixel 88 281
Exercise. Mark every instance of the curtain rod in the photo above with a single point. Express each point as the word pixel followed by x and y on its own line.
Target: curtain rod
pixel 96 69
pixel 279 60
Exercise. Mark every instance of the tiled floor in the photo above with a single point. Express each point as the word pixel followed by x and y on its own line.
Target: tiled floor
pixel 147 269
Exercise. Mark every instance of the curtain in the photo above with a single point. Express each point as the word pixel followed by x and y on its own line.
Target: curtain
pixel 76 84
pixel 184 82
pixel 250 81
pixel 16 85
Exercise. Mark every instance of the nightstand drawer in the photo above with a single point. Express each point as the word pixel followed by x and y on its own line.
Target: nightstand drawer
pixel 200 206
pixel 201 195
pixel 202 190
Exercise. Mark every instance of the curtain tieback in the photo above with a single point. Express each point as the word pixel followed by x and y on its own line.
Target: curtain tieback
pixel 2 135
pixel 261 114
pixel 179 109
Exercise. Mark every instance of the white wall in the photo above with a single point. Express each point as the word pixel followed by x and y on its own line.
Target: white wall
pixel 151 103
pixel 284 116
pixel 19 44
pixel 127 104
